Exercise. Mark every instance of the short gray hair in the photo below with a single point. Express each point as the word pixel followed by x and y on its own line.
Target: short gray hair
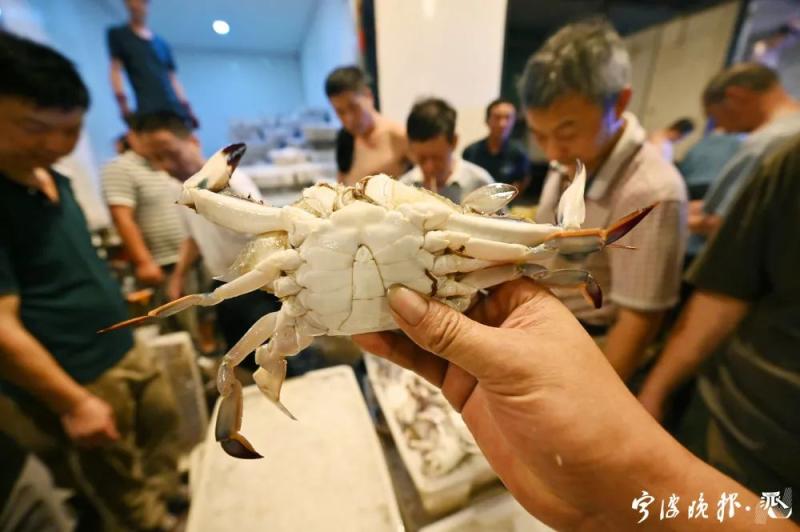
pixel 588 58
pixel 753 76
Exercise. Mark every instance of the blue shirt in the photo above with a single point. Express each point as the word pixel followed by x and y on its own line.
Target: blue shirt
pixel 753 150
pixel 148 63
pixel 704 161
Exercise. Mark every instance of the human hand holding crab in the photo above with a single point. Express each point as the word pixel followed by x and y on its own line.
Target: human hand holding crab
pixel 546 408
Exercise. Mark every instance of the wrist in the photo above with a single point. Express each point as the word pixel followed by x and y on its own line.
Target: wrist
pixel 72 401
pixel 144 261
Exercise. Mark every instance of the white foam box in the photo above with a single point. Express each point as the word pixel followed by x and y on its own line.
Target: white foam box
pixel 498 514
pixel 176 357
pixel 438 494
pixel 324 472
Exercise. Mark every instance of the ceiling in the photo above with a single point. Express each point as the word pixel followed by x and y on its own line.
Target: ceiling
pixel 274 26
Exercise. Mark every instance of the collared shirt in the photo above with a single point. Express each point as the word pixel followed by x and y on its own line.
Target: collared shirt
pixel 66 292
pixel 509 165
pixel 130 181
pixel 753 150
pixel 635 175
pixel 220 246
pixel 753 385
pixel 464 178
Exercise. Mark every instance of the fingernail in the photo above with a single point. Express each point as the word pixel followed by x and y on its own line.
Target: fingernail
pixel 408 304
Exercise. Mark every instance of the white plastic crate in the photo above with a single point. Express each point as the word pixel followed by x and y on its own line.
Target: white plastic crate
pixel 175 355
pixel 324 472
pixel 498 514
pixel 439 494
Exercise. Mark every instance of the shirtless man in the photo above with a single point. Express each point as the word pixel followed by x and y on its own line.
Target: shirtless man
pixel 380 145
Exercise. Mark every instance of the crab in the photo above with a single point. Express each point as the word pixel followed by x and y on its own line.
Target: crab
pixel 333 254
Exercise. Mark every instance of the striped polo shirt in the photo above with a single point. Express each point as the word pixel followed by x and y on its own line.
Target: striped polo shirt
pixel 130 181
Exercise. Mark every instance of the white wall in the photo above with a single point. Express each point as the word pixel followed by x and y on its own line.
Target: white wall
pixel 233 85
pixel 452 49
pixel 220 85
pixel 329 43
pixel 672 63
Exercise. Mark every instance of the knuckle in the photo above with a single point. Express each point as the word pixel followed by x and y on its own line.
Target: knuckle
pixel 446 327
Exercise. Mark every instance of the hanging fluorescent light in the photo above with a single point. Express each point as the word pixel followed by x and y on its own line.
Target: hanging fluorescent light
pixel 220 27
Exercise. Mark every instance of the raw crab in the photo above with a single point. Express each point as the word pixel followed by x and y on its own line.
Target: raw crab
pixel 331 257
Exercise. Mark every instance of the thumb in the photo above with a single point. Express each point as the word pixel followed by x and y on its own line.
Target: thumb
pixel 441 330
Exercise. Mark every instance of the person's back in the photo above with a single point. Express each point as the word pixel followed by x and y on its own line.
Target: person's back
pixel 746 98
pixel 756 376
pixel 704 161
pixel 741 330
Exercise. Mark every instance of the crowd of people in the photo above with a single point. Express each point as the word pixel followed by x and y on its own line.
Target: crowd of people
pixel 565 400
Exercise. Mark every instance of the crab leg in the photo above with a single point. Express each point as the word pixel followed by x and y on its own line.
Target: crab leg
pixel 229 417
pixel 270 375
pixel 236 213
pixel 567 278
pixel 264 273
pixel 590 240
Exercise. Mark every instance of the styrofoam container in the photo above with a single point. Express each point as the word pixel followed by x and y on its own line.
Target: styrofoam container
pixel 438 494
pixel 175 355
pixel 325 471
pixel 498 514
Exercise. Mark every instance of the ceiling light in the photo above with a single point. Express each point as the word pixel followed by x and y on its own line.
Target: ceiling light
pixel 221 27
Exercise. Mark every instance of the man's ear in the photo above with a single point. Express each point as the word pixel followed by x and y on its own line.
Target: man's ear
pixel 737 95
pixel 623 99
pixel 454 143
pixel 367 92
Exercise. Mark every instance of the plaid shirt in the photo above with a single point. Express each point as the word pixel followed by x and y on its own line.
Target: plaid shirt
pixel 633 176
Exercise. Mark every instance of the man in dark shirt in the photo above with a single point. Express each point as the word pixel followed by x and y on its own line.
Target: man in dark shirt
pixel 93 402
pixel 746 311
pixel 504 159
pixel 148 61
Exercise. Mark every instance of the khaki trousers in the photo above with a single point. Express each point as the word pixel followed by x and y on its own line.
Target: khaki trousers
pixel 128 481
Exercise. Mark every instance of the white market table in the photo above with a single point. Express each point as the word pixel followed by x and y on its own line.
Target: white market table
pixel 324 472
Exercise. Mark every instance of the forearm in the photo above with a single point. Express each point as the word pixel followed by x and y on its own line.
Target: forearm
pixel 130 234
pixel 628 339
pixel 26 363
pixel 189 253
pixel 118 87
pixel 177 87
pixel 704 324
pixel 646 458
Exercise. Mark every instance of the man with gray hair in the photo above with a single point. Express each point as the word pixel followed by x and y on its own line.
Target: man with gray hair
pixel 575 90
pixel 745 98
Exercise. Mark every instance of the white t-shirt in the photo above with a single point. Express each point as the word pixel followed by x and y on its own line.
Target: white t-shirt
pixel 464 178
pixel 219 246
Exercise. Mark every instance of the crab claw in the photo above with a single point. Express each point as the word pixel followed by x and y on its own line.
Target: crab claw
pixel 215 174
pixel 623 225
pixel 583 241
pixel 229 422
